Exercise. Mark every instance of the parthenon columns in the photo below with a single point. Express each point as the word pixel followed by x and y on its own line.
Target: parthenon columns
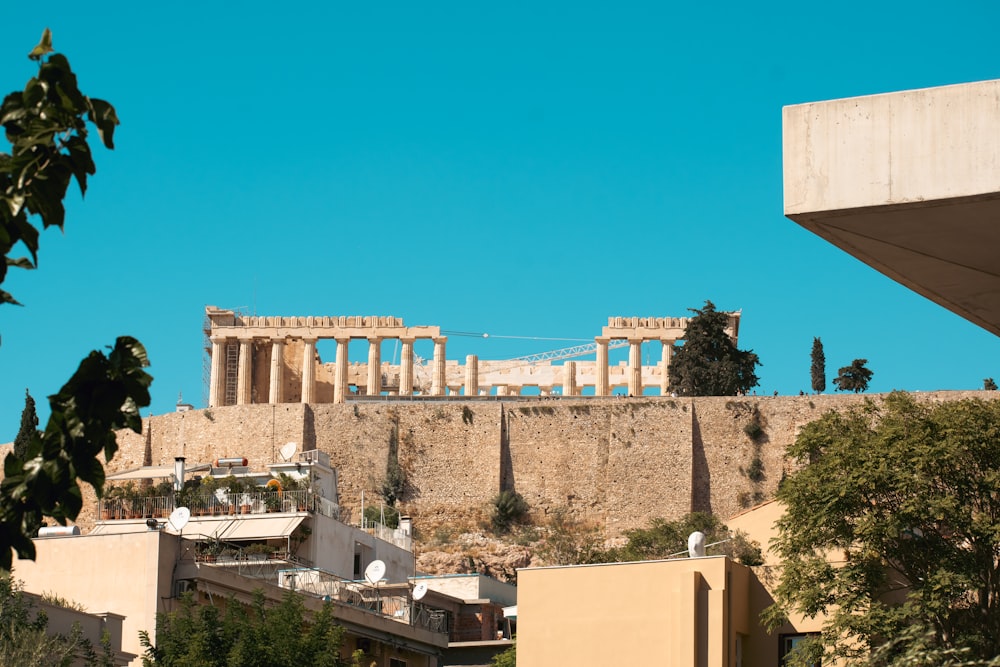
pixel 243 373
pixel 438 382
pixel 216 388
pixel 471 375
pixel 569 378
pixel 374 366
pixel 635 367
pixel 406 367
pixel 277 370
pixel 340 376
pixel 309 370
pixel 668 355
pixel 601 385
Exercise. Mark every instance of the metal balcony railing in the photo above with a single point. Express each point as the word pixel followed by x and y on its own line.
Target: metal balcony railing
pixel 217 503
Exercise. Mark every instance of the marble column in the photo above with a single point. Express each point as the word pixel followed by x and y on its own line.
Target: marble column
pixel 309 370
pixel 374 366
pixel 668 355
pixel 471 375
pixel 569 378
pixel 406 367
pixel 277 386
pixel 217 379
pixel 340 374
pixel 635 367
pixel 601 370
pixel 244 373
pixel 438 386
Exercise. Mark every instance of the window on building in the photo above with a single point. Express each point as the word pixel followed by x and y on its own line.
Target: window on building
pixel 788 643
pixel 396 662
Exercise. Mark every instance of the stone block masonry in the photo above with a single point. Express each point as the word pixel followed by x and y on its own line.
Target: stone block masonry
pixel 616 461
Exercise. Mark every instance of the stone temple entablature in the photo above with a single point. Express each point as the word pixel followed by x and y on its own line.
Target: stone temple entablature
pixel 274 360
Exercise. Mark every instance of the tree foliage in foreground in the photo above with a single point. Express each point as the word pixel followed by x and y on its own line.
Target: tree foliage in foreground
pixel 46 125
pixel 258 635
pixel 854 377
pixel 708 363
pixel 904 500
pixel 817 369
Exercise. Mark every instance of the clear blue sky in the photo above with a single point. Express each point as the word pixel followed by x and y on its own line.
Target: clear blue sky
pixel 522 169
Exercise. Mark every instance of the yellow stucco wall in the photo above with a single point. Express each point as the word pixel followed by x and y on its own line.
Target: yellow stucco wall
pixel 675 612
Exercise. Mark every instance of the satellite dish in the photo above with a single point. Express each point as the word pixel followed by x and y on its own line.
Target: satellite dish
pixel 287 451
pixel 179 518
pixel 375 571
pixel 696 544
pixel 419 591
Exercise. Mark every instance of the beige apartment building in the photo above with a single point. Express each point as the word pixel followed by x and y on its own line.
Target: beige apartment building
pixel 683 612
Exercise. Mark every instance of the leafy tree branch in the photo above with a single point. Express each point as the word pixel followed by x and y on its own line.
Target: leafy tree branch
pixel 46 125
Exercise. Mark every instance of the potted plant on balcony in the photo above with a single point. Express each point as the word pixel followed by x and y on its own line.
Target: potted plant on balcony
pixel 111 505
pixel 209 499
pixel 259 551
pixel 159 498
pixel 209 551
pixel 130 498
pixel 237 490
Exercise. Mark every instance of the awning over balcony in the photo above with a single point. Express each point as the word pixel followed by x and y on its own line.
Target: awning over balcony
pixel 145 472
pixel 253 527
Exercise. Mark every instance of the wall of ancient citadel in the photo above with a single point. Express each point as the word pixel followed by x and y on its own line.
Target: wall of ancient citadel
pixel 617 461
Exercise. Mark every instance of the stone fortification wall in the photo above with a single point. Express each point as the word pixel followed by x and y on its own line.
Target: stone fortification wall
pixel 617 461
pixel 614 461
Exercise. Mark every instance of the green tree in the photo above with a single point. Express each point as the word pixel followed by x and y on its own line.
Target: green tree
pixel 507 508
pixel 989 385
pixel 818 368
pixel 29 426
pixel 258 635
pixel 893 523
pixel 570 540
pixel 708 363
pixel 506 659
pixel 46 125
pixel 662 539
pixel 854 377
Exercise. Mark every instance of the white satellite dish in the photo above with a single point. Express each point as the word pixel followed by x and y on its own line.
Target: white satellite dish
pixel 696 544
pixel 419 591
pixel 179 518
pixel 287 451
pixel 375 571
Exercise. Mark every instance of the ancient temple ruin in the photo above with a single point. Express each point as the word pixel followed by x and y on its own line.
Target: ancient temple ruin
pixel 274 360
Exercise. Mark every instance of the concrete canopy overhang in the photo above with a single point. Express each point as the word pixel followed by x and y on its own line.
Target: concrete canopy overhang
pixel 908 183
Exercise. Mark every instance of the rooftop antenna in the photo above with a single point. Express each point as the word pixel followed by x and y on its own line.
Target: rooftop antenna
pixel 419 591
pixel 287 451
pixel 696 544
pixel 179 518
pixel 374 573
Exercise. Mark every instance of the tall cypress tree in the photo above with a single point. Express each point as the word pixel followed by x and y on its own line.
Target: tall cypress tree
pixel 29 423
pixel 818 367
